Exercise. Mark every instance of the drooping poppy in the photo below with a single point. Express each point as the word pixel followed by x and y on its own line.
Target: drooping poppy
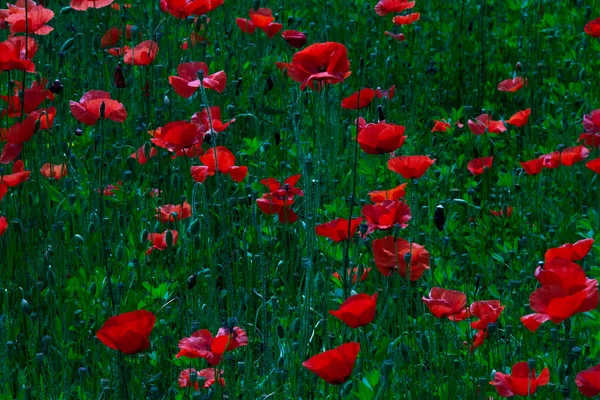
pixel 324 63
pixel 397 36
pixel 177 135
pixel 592 28
pixel 594 165
pixel 406 19
pixel 520 118
pixel 396 193
pixel 385 7
pixel 588 381
pixel 16 54
pixel 410 167
pixel 142 54
pixel 207 373
pixel 128 332
pixel 572 155
pixel 54 171
pixel 159 240
pixel 511 85
pixel 478 165
pixel 445 303
pixel 174 212
pixel 83 5
pixel 357 310
pixel 441 126
pixel 337 230
pixel 591 122
pixel 202 344
pixel 334 366
pixel 187 81
pixel 570 251
pixel 521 382
pixel 3 221
pixel 184 8
pixel 295 39
pixel 358 100
pixel 354 272
pixel 385 215
pixel 591 139
pixel 381 138
pixel 389 256
pixel 33 21
pixel 94 103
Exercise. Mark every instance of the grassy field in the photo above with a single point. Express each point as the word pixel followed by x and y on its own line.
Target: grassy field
pixel 151 248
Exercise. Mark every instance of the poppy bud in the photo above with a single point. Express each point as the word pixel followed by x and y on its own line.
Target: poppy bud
pixel 439 217
pixel 39 358
pixel 491 328
pixel 194 227
pixel 169 238
pixel 407 258
pixel 191 281
pixel 25 307
pixel 82 371
pixel 518 66
pixel 56 87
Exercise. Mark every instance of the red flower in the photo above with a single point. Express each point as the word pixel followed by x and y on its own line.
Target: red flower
pixel 477 165
pixel 396 193
pixel 159 240
pixel 410 167
pixel 83 5
pixel 389 256
pixel 357 310
pixel 142 54
pixel 33 97
pixel 440 126
pixel 337 230
pixel 520 382
pixel 182 211
pixel 208 374
pixel 588 381
pixel 280 198
pixel 591 139
pixel 533 167
pixel 187 81
pixel 177 135
pixel 222 158
pixel 18 176
pixel 594 165
pixel 3 221
pixel 184 8
pixel 34 21
pixel 488 312
pixel 354 271
pixel 511 85
pixel 45 116
pixel 17 134
pixel 202 344
pixel 406 19
pixel 520 118
pixel 483 122
pixel 263 19
pixel 389 93
pixel 320 62
pixel 359 99
pixel 88 109
pixel 571 252
pixel 140 154
pixel 385 7
pixel 334 366
pixel 381 138
pixel 294 38
pixel 551 160
pixel 212 124
pixel 128 332
pixel 110 37
pixel 592 28
pixel 398 36
pixel 14 55
pixel 591 122
pixel 573 155
pixel 386 214
pixel 57 171
pixel 445 303
pixel 502 213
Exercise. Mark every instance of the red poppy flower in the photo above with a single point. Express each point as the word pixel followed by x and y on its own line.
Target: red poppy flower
pixel 573 155
pixel 532 167
pixel 294 38
pixel 87 110
pixel 337 230
pixel 520 382
pixel 18 176
pixel 280 198
pixel 488 312
pixel 357 310
pixel 440 126
pixel 444 303
pixel 520 118
pixel 406 19
pixel 591 139
pixel 263 19
pixel 320 62
pixel 142 54
pixel 177 135
pixel 140 154
pixel 166 213
pixel 502 213
pixel 202 344
pixel 18 133
pixel 32 100
pixel 386 214
pixel 128 332
pixel 594 165
pixel 573 252
pixel 397 36
pixel 207 373
pixel 591 122
pixel 15 56
pixel 483 122
pixel 511 85
pixel 245 25
pixel 111 189
pixel 381 138
pixel 588 381
pixel 410 167
pixel 45 116
pixel 212 124
pixel 34 21
pixel 83 5
pixel 222 158
pixel 396 193
pixel 551 160
pixel 187 81
pixel 185 8
pixel 354 272
pixel 56 171
pixel 592 28
pixel 385 7
pixel 389 93
pixel 477 165
pixel 159 240
pixel 334 366
pixel 359 99
pixel 3 221
pixel 389 257
pixel 110 37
